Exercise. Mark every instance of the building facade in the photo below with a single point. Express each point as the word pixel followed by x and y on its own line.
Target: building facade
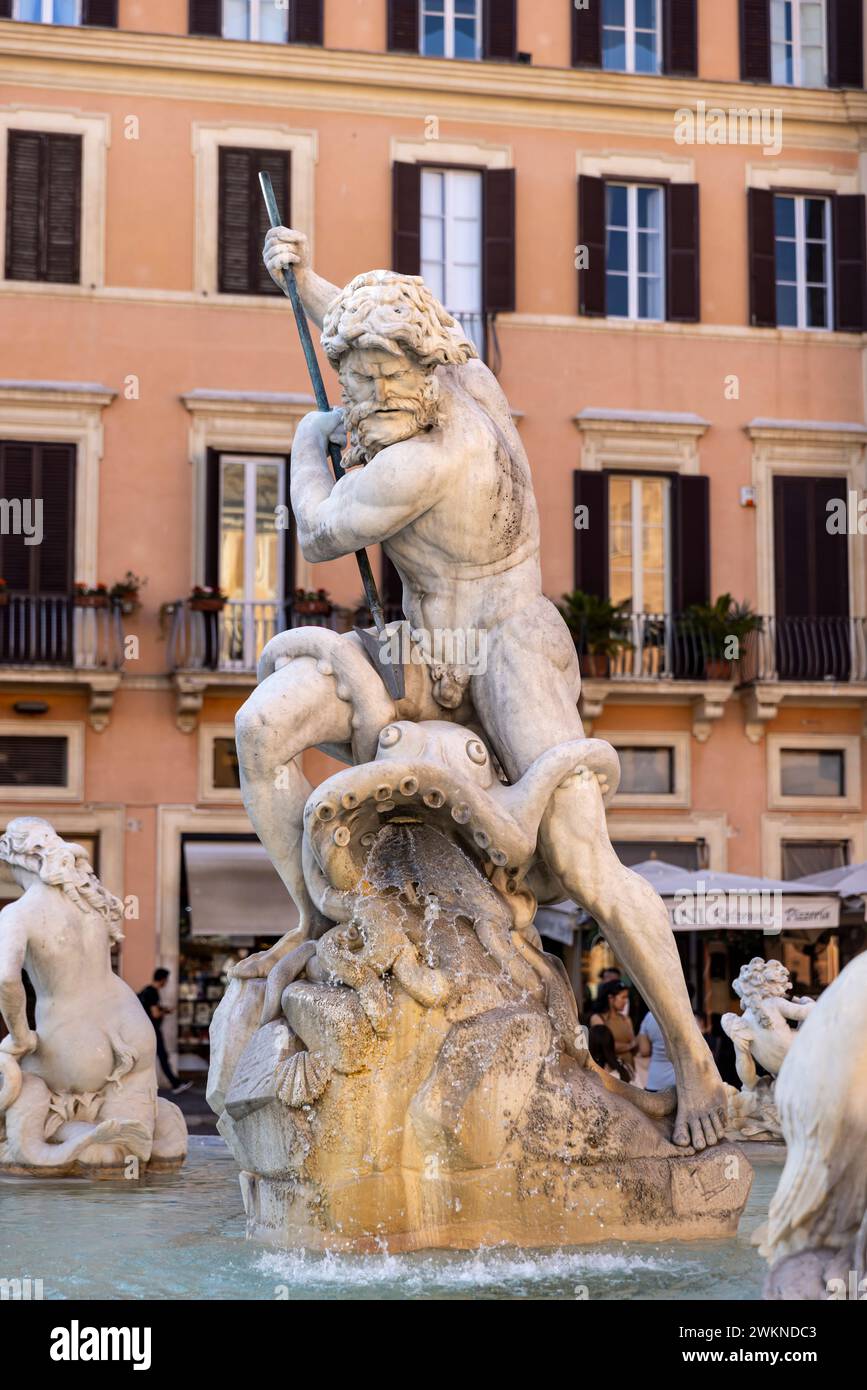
pixel 648 215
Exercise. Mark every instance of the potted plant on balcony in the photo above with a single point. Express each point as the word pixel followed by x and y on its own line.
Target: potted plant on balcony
pixel 308 604
pixel 125 593
pixel 88 596
pixel 4 593
pixel 599 629
pixel 713 625
pixel 207 598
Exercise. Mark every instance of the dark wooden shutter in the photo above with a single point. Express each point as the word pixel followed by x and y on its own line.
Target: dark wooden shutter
pixel 33 761
pixel 306 21
pixel 690 533
pixel 591 233
pixel 243 220
pixel 756 40
pixel 591 546
pixel 34 472
pixel 811 564
pixel 500 30
pixel 587 35
pixel 680 37
pixel 403 26
pixel 763 259
pixel 5 9
pixel 206 17
pixel 682 248
pixel 100 12
pixel 43 207
pixel 845 43
pixel 406 219
pixel 499 241
pixel 212 519
pixel 850 252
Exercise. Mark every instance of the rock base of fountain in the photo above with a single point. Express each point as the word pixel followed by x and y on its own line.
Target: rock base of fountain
pixel 416 1079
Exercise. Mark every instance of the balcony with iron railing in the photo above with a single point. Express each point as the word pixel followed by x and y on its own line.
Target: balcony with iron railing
pixel 58 640
pixel 229 637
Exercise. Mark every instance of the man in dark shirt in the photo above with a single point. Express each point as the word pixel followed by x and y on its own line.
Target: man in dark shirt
pixel 149 999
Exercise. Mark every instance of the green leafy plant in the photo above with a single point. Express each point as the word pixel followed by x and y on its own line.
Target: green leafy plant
pixel 598 626
pixel 713 624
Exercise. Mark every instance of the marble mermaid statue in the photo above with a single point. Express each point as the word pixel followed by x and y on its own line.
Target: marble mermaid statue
pixel 437 474
pixel 79 1091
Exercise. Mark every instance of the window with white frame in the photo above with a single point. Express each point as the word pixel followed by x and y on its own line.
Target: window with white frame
pixel 646 771
pixel 631 35
pixel 48 11
pixel 451 28
pixel 451 243
pixel 634 244
pixel 798 45
pixel 638 543
pixel 803 261
pixel 251 551
pixel 262 21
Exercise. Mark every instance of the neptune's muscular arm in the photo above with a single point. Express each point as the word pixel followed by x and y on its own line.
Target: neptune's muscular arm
pixel 13 1000
pixel 368 504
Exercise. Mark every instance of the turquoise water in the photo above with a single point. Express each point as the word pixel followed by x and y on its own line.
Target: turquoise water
pixel 178 1236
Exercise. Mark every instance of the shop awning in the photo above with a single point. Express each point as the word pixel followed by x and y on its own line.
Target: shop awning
pixel 235 891
pixel 849 882
pixel 702 900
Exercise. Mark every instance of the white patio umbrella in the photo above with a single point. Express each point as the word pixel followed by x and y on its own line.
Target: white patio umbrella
pixel 849 882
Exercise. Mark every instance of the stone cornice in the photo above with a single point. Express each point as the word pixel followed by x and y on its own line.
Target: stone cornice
pixel 180 66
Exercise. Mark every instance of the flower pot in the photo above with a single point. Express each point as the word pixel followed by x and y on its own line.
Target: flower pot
pixel 91 600
pixel 128 602
pixel 595 665
pixel 207 605
pixel 717 668
pixel 4 599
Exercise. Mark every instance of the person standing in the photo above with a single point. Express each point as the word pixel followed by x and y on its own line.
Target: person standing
pixel 610 1003
pixel 149 998
pixel 651 1043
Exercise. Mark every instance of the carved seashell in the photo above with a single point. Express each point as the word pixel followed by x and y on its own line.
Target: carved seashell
pixel 461 813
pixel 326 811
pixel 434 798
pixel 409 786
pixel 342 835
pixel 302 1078
pixel 390 736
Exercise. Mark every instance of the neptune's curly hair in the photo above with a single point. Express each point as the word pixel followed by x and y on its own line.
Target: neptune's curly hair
pixel 397 313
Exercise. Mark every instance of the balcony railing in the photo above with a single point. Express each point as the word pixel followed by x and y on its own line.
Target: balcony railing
pixel 652 647
pixel 806 649
pixel 53 630
pixel 475 327
pixel 232 638
pixel 671 646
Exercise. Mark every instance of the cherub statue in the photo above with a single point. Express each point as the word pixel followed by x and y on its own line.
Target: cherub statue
pixel 80 1091
pixel 761 1033
pixel 438 475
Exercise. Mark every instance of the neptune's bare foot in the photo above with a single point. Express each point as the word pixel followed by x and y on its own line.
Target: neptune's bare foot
pixel 701 1105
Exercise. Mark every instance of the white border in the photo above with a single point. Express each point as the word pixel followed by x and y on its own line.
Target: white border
pixel 208 734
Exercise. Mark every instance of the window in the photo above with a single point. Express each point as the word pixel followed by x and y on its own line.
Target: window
pixel 48 11
pixel 43 207
pixel 33 762
pixel 798 43
pixel 451 243
pixel 219 777
pixel 451 28
pixel 638 548
pixel 251 561
pixel 225 771
pixel 806 772
pixel 646 771
pixel 685 854
pixel 812 771
pixel 803 261
pixel 631 35
pixel 635 286
pixel 803 858
pixel 243 220
pixel 260 20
